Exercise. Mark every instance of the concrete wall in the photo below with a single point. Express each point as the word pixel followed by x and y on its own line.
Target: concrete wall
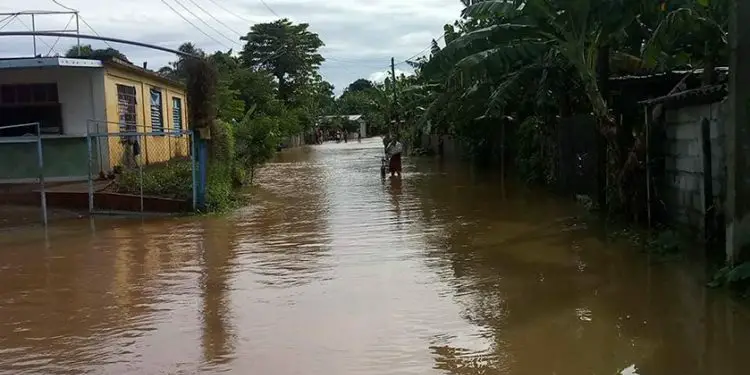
pixel 154 149
pixel 65 159
pixel 451 147
pixel 80 92
pixel 683 151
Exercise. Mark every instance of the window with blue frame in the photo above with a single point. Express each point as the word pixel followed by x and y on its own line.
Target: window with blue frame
pixel 157 117
pixel 177 115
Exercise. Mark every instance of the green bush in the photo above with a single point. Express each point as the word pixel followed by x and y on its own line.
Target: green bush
pixel 222 142
pixel 257 139
pixel 172 179
pixel 220 192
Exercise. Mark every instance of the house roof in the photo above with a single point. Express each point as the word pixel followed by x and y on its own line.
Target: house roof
pixel 347 117
pixel 47 62
pixel 699 96
pixel 121 64
pixel 64 62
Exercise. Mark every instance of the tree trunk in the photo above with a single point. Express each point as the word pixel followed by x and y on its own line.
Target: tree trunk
pixel 602 80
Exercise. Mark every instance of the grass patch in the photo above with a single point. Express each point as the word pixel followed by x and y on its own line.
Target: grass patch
pixel 174 179
pixel 171 179
pixel 221 194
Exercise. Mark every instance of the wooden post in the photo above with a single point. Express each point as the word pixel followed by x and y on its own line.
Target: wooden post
pixel 647 112
pixel 708 191
pixel 738 134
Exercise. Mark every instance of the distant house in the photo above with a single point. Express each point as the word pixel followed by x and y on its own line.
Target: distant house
pixel 72 97
pixel 352 118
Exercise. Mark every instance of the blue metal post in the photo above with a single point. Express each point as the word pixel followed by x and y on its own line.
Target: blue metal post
pixel 194 168
pixel 91 165
pixel 40 156
pixel 203 170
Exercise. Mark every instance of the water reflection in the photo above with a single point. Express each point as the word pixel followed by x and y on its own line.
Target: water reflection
pixel 217 250
pixel 544 283
pixel 285 238
pixel 394 187
pixel 331 270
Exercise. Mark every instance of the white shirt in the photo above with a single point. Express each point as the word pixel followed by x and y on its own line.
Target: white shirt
pixel 394 148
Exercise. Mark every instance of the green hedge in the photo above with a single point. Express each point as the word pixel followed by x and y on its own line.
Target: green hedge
pixel 171 179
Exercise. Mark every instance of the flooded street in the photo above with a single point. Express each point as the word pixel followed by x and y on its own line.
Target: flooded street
pixel 330 270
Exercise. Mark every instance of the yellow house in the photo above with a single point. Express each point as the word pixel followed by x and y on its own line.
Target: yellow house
pixel 139 100
pixel 123 109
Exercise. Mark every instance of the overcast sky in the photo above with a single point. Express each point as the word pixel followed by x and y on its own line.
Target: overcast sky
pixel 360 36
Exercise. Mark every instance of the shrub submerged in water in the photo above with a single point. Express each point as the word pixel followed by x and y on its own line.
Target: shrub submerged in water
pixel 174 179
pixel 171 179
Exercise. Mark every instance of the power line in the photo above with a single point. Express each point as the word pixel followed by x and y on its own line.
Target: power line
pixel 230 12
pixel 80 17
pixel 191 24
pixel 10 19
pixel 30 29
pixel 214 18
pixel 64 6
pixel 422 51
pixel 64 29
pixel 206 23
pixel 270 9
pixel 93 31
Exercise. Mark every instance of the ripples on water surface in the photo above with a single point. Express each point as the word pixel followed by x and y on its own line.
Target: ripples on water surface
pixel 329 270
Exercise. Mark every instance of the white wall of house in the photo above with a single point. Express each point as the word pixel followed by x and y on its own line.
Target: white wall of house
pixel 80 92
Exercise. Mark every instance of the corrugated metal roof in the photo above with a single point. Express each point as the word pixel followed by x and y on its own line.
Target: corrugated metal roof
pixel 635 77
pixel 700 95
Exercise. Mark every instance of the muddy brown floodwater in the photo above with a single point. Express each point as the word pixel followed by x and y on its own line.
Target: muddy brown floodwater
pixel 331 271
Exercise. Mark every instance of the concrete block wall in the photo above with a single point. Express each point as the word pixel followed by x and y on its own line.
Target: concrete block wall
pixel 683 152
pixel 451 146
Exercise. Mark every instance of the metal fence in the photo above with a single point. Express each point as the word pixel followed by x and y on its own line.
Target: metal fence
pixel 135 168
pixel 31 134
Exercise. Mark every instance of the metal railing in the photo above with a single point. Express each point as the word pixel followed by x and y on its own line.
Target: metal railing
pixel 40 159
pixel 114 146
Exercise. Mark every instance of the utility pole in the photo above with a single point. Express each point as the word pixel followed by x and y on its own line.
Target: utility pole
pixel 738 135
pixel 78 32
pixel 33 29
pixel 396 116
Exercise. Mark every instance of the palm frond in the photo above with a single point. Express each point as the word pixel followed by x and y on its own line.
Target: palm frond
pixel 499 59
pixel 492 8
pixel 512 88
pixel 677 23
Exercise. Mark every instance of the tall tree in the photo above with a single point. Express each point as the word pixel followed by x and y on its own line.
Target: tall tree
pixel 87 52
pixel 288 51
pixel 229 106
pixel 177 70
pixel 360 85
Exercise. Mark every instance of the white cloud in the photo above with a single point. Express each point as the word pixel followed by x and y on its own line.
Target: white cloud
pixel 382 75
pixel 360 36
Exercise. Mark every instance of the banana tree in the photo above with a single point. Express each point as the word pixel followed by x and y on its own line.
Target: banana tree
pixel 695 30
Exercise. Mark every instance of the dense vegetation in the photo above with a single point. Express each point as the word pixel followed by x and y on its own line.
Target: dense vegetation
pixel 251 101
pixel 522 64
pixel 529 63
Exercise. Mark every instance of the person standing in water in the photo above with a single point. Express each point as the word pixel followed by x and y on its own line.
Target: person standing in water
pixel 394 150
